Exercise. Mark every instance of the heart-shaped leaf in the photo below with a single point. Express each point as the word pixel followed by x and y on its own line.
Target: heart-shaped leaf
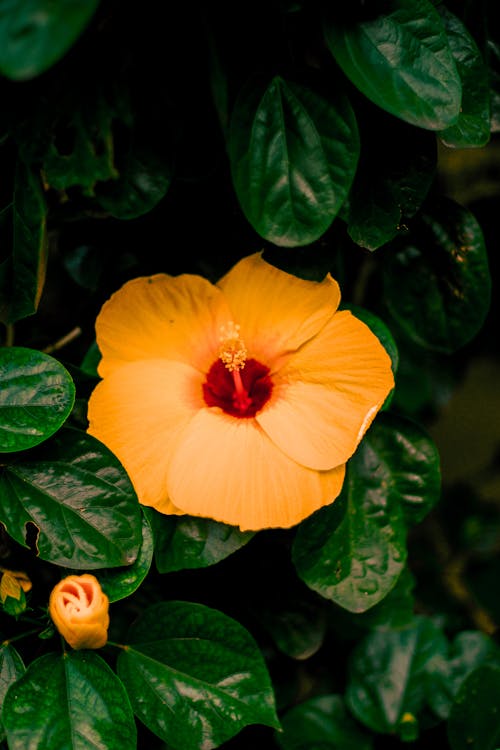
pixel 183 542
pixel 293 156
pixel 195 677
pixel 322 722
pixel 444 262
pixel 73 701
pixel 79 498
pixel 354 550
pixel 36 397
pixel 36 34
pixel 402 61
pixel 388 674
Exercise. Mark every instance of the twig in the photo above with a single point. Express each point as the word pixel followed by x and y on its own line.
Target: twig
pixel 67 339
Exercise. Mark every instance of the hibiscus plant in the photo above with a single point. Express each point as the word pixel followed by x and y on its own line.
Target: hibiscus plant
pixel 248 364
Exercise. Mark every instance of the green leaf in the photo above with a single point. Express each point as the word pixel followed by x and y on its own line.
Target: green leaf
pixel 472 128
pixel 322 722
pixel 395 610
pixel 470 649
pixel 23 274
pixel 293 155
pixel 144 162
pixel 195 677
pixel 402 61
pixel 183 542
pixel 73 701
pixel 474 722
pixel 354 550
pixel 388 674
pixel 396 169
pixel 36 397
pixel 118 583
pixel 36 34
pixel 80 500
pixel 11 669
pixel 443 262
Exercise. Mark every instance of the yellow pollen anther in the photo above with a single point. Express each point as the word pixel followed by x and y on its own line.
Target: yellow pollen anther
pixel 232 350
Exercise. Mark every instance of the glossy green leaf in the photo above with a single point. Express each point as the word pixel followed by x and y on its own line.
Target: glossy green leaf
pixel 183 542
pixel 11 669
pixel 401 60
pixel 396 169
pixel 354 550
pixel 118 583
pixel 293 155
pixel 388 673
pixel 22 277
pixel 470 650
pixel 473 125
pixel 395 610
pixel 474 722
pixel 323 722
pixel 195 677
pixel 79 499
pixel 36 397
pixel 444 263
pixel 72 701
pixel 37 33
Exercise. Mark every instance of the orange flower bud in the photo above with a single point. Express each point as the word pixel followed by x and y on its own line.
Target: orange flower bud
pixel 79 609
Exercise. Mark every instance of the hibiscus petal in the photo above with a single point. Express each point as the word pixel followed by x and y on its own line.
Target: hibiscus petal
pixel 326 396
pixel 277 312
pixel 171 317
pixel 227 469
pixel 138 412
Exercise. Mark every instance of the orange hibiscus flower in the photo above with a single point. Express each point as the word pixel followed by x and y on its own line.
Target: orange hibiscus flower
pixel 240 401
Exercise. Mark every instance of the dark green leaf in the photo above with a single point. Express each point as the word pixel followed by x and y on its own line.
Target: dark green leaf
pixel 470 650
pixel 79 498
pixel 73 701
pixel 23 273
pixel 388 673
pixel 444 263
pixel 473 124
pixel 117 583
pixel 144 167
pixel 293 156
pixel 474 722
pixel 36 397
pixel 91 360
pixel 395 610
pixel 396 169
pixel 354 550
pixel 322 722
pixel 77 142
pixel 195 677
pixel 11 669
pixel 36 34
pixel 401 60
pixel 183 542
pixel 296 619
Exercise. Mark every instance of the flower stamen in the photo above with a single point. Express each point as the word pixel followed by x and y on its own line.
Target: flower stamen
pixel 233 354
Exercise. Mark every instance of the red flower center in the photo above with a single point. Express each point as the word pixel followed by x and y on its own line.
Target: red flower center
pixel 240 393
